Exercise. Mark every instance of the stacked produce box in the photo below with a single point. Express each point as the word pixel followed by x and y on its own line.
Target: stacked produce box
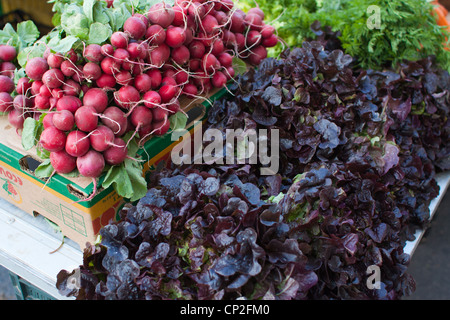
pixel 87 96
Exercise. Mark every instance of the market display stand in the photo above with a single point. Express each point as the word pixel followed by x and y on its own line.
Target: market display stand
pixel 31 249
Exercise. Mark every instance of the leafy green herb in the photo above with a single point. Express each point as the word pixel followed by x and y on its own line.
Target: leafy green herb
pixel 29 133
pixel 178 121
pixel 407 30
pixel 44 170
pixel 26 34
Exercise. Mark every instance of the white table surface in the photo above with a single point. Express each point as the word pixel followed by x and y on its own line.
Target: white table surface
pixel 26 243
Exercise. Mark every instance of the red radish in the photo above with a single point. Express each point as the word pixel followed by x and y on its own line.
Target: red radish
pixel 227 5
pixel 53 103
pixel 55 60
pixel 197 49
pixel 52 139
pixel 143 82
pixel 168 80
pixel 72 55
pixel 141 116
pixel 229 39
pixel 62 162
pixel 257 55
pixel 77 143
pixel 101 138
pixel 142 17
pixel 162 14
pixel 21 102
pixel 119 39
pixel 115 119
pixel 106 81
pixel 230 73
pixel 175 37
pixel 91 164
pixel 239 41
pixel 254 21
pixel 86 118
pixel 68 68
pixel 93 53
pixel 217 47
pixel 194 64
pixel 267 31
pixel 253 38
pixel 237 22
pixel 57 93
pixel 210 25
pixel 136 50
pixel 6 102
pixel 256 11
pixel 202 79
pixel 117 153
pixel 53 78
pixel 219 79
pixel 48 120
pixel 155 35
pixel 7 69
pixel 190 90
pixel 158 114
pixel 96 98
pixel 168 71
pixel 124 78
pixel 179 15
pixel 270 42
pixel 174 107
pixel 152 99
pixel 207 40
pixel 160 55
pixel 63 120
pixel 225 59
pixel 71 88
pixel 23 85
pixel 6 84
pixel 16 118
pixel 36 86
pixel 36 67
pixel 127 97
pixel 70 103
pixel 156 77
pixel 189 36
pixel 210 63
pixel 135 27
pixel 42 102
pixel 144 132
pixel 45 91
pixel 167 92
pixel 7 52
pixel 197 10
pixel 110 65
pixel 221 17
pixel 92 71
pixel 107 50
pixel 181 77
pixel 161 128
pixel 181 55
pixel 217 5
pixel 121 55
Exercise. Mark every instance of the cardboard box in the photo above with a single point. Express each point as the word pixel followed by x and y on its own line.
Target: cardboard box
pixel 56 198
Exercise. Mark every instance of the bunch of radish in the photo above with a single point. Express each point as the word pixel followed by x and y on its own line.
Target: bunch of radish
pixel 7 55
pixel 90 98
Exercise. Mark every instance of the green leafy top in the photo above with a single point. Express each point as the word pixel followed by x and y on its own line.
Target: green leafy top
pixel 27 33
pixel 408 30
